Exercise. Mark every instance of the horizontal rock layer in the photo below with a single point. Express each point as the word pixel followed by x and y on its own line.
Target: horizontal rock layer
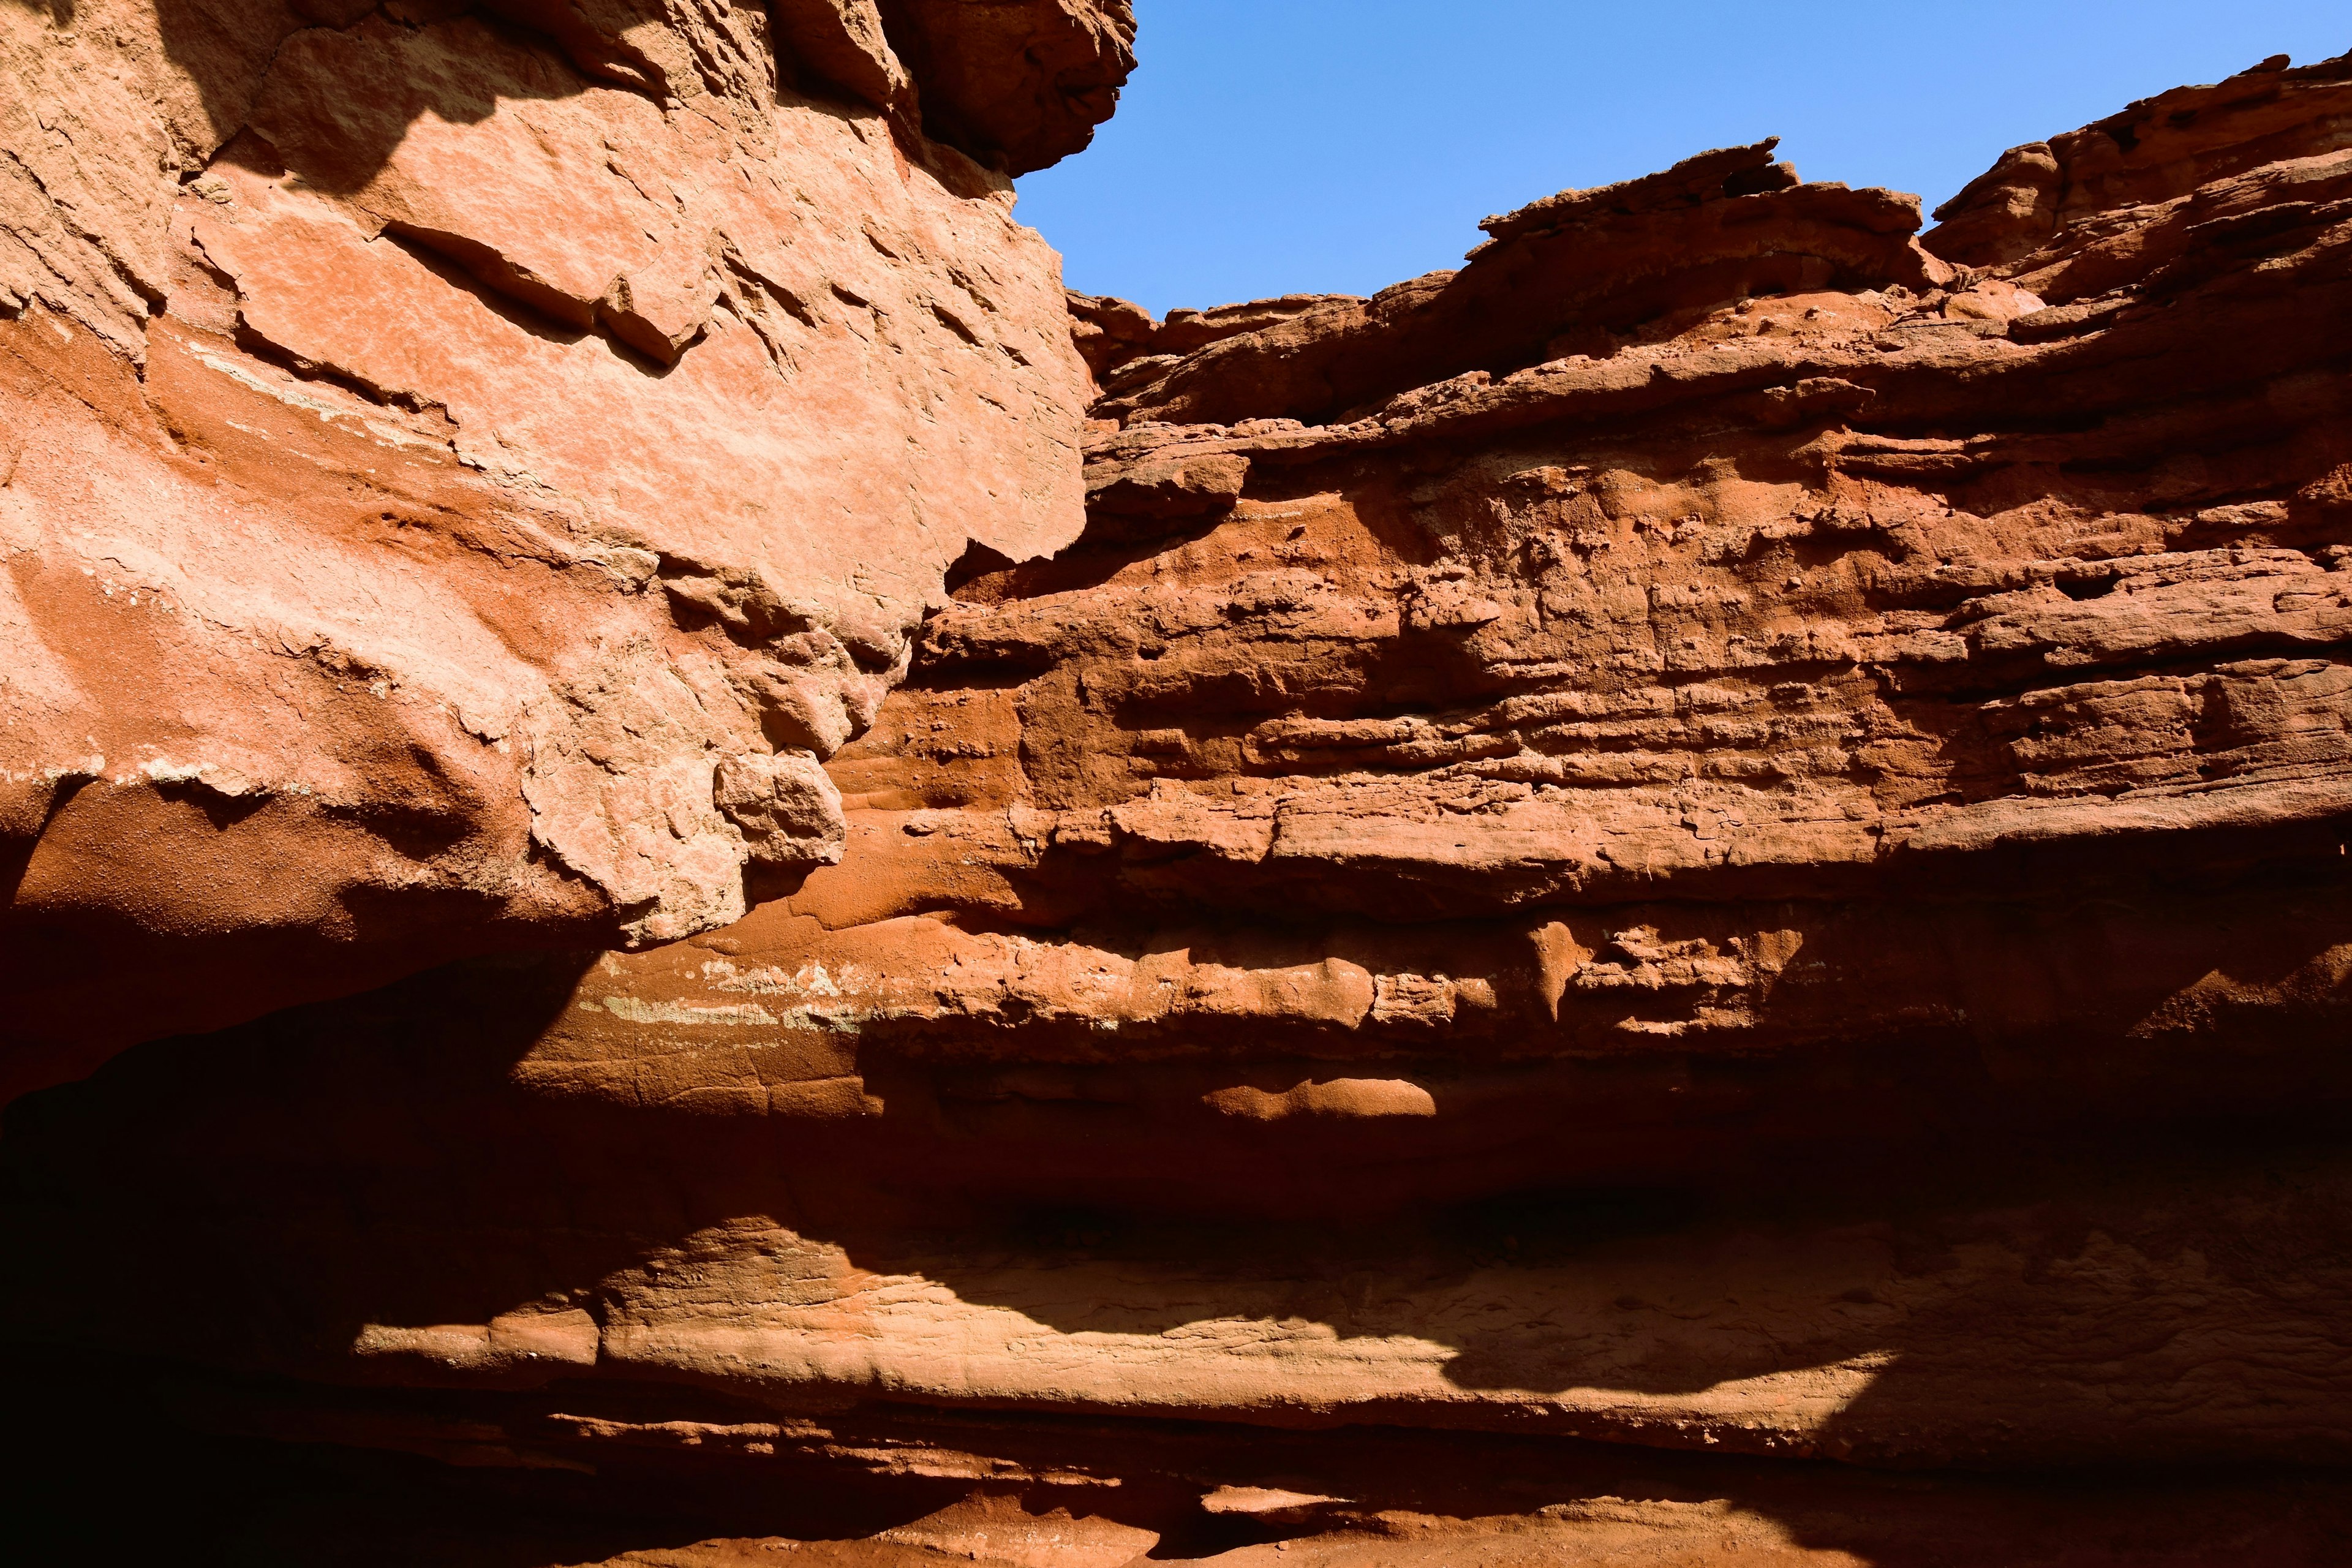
pixel 1679 897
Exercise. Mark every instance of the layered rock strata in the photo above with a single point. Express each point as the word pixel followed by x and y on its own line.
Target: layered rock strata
pixel 1679 897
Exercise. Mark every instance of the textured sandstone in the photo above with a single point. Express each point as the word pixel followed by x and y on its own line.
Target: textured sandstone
pixel 1019 83
pixel 1679 897
pixel 460 477
pixel 1567 277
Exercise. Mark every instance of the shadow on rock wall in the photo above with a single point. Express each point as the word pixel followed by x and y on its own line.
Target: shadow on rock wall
pixel 264 1200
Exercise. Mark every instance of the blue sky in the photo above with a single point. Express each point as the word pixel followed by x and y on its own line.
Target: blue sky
pixel 1282 146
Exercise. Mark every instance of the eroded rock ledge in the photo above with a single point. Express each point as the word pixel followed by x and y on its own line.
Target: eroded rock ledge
pixel 1680 897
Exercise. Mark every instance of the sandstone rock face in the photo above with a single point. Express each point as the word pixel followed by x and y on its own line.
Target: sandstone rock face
pixel 1679 897
pixel 1579 274
pixel 1019 83
pixel 464 466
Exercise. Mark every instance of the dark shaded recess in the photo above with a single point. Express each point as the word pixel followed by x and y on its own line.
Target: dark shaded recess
pixel 977 562
pixel 1109 545
pixel 211 1495
pixel 17 848
pixel 817 54
pixel 381 1154
pixel 273 1187
pixel 385 934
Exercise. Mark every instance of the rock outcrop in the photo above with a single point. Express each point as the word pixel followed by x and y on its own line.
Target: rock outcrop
pixel 467 466
pixel 1678 897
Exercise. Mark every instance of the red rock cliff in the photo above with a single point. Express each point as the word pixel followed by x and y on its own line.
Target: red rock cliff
pixel 467 466
pixel 1677 898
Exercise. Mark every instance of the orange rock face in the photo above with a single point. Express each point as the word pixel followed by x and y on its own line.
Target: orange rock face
pixel 467 468
pixel 1678 897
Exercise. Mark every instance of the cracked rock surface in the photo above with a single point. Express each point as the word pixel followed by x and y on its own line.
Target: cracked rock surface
pixel 464 466
pixel 1679 897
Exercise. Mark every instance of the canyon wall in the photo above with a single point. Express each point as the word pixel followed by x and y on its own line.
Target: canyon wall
pixel 1679 896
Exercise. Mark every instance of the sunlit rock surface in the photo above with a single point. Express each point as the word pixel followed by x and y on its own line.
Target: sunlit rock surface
pixel 442 441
